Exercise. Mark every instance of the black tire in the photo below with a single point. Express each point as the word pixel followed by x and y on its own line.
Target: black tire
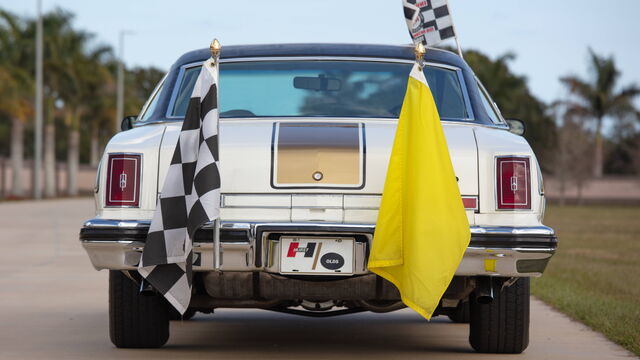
pixel 503 325
pixel 135 320
pixel 461 314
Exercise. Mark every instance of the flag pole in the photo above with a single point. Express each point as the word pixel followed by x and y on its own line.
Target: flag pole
pixel 215 48
pixel 455 31
pixel 458 45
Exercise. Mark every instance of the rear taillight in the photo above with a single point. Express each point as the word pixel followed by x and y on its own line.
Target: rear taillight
pixel 513 183
pixel 123 180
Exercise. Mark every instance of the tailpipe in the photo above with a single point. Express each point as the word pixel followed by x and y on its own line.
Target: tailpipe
pixel 485 290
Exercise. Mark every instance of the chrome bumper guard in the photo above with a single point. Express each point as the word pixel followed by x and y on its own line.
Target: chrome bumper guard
pixel 493 250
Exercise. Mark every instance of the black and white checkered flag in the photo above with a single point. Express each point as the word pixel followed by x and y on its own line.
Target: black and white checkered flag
pixel 190 195
pixel 429 21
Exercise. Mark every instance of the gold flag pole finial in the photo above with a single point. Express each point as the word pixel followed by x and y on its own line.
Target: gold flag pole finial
pixel 215 48
pixel 420 50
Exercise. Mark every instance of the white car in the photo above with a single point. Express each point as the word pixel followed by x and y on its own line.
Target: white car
pixel 305 137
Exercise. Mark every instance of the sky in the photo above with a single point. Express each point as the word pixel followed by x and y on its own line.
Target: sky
pixel 550 38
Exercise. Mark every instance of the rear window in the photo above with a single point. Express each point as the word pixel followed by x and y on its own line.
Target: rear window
pixel 321 88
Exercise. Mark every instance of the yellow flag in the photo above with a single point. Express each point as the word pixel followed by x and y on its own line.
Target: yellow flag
pixel 422 229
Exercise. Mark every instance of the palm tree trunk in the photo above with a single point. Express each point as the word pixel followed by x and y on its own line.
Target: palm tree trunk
pixel 73 156
pixel 73 152
pixel 49 160
pixel 598 156
pixel 17 156
pixel 95 147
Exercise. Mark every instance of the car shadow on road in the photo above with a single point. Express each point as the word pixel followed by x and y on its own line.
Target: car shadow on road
pixel 264 332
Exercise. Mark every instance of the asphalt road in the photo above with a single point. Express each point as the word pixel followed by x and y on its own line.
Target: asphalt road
pixel 53 305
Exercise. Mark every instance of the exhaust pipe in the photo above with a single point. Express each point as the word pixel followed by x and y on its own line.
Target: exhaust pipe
pixel 484 292
pixel 381 306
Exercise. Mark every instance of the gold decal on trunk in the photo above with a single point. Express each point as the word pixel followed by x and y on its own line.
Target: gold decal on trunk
pixel 318 154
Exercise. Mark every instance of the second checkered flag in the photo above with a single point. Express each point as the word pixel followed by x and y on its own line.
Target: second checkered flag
pixel 190 195
pixel 429 21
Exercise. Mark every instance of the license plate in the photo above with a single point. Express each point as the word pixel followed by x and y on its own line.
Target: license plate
pixel 310 255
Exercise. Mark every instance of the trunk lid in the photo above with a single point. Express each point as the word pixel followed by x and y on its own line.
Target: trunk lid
pixel 313 170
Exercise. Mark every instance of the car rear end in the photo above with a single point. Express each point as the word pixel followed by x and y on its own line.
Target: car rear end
pixel 304 144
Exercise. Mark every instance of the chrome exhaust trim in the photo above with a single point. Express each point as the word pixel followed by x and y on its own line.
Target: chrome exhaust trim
pixel 485 290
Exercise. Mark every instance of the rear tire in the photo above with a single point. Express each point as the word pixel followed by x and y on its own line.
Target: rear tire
pixel 461 314
pixel 135 320
pixel 503 325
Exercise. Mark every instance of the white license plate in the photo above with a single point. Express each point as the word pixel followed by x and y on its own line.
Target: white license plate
pixel 311 255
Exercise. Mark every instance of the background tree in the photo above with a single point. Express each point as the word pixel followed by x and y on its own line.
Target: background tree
pixel 84 80
pixel 512 94
pixel 15 89
pixel 79 94
pixel 573 153
pixel 56 25
pixel 598 97
pixel 623 156
pixel 140 83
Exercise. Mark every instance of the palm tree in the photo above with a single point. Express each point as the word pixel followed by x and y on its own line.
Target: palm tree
pixel 83 82
pixel 598 98
pixel 57 26
pixel 102 104
pixel 15 89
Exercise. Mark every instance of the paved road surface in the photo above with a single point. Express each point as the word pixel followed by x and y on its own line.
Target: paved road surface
pixel 53 305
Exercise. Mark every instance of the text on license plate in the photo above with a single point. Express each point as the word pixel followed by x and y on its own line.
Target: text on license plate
pixel 311 255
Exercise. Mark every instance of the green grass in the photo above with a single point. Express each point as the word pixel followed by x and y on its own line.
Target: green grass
pixel 594 277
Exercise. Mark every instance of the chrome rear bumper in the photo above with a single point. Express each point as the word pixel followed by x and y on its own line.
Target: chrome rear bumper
pixel 493 251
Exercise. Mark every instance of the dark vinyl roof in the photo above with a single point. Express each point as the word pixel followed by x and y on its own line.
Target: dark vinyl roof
pixel 351 50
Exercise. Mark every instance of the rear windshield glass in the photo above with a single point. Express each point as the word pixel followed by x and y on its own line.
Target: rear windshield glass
pixel 321 88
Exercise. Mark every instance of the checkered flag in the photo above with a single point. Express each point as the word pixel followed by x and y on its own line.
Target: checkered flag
pixel 429 21
pixel 190 195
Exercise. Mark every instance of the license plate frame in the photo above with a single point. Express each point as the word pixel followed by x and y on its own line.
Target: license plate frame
pixel 312 255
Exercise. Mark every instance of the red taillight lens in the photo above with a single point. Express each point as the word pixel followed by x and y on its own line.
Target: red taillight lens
pixel 123 180
pixel 514 183
pixel 470 202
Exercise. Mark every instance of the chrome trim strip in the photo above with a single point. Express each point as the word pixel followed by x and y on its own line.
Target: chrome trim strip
pixel 316 225
pixel 491 102
pixel 317 207
pixel 512 230
pixel 117 224
pixel 255 207
pixel 465 95
pixel 497 251
pixel 539 230
pixel 235 226
pixel 442 120
pixel 138 244
pixel 176 88
pixel 154 93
